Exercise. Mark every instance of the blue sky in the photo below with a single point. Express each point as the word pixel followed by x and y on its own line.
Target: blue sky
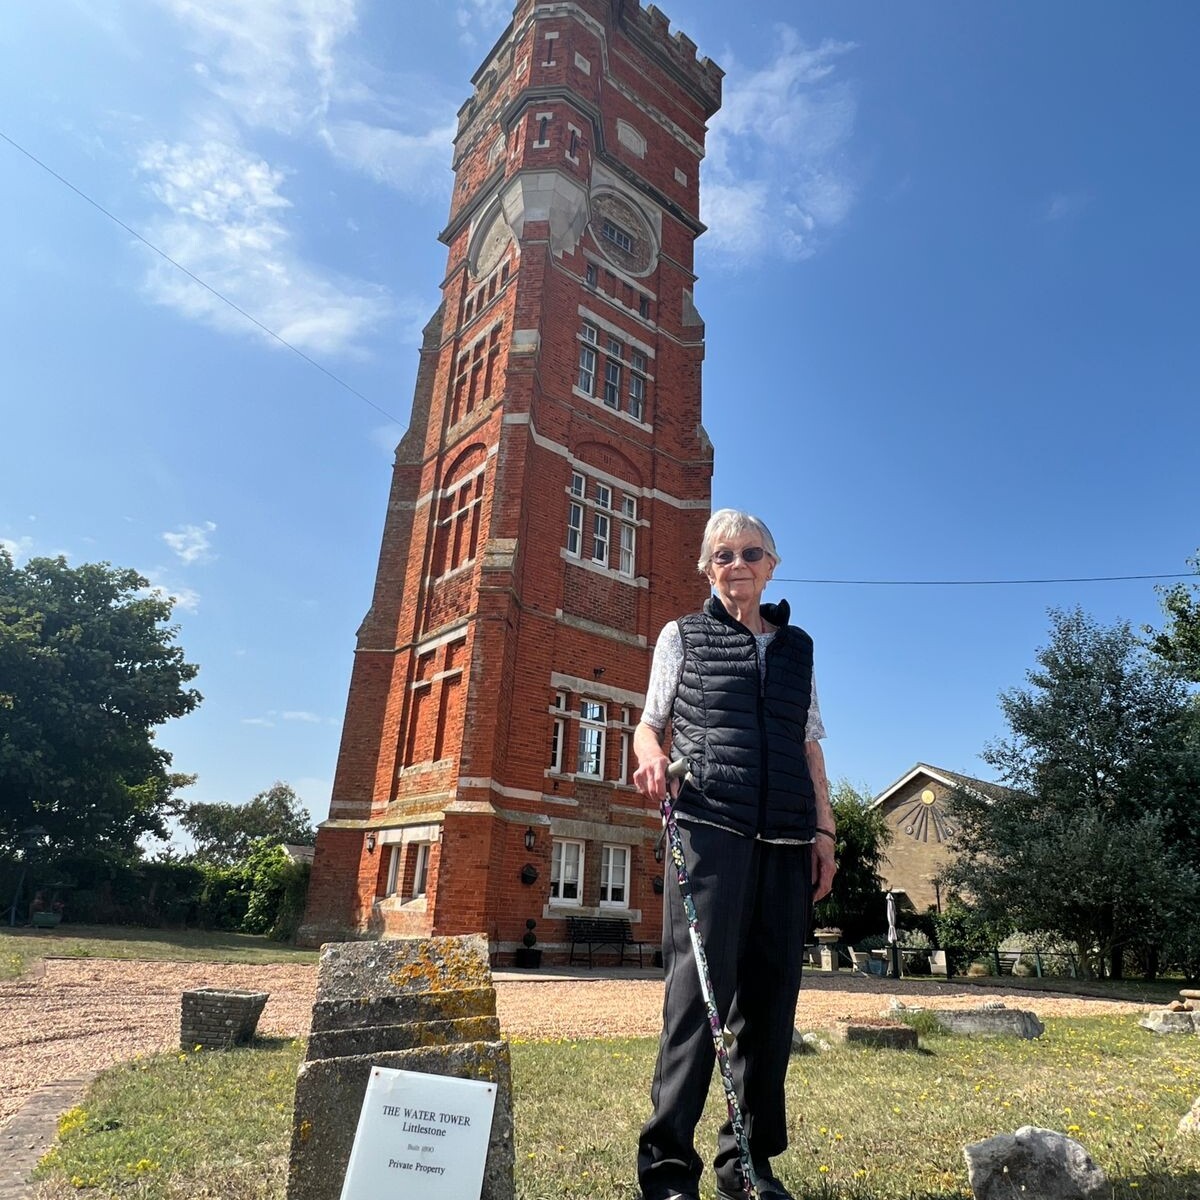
pixel 950 286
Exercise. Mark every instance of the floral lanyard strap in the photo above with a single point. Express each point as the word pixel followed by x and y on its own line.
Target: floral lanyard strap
pixel 677 771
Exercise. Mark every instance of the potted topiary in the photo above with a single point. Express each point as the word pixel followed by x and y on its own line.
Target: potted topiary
pixel 528 954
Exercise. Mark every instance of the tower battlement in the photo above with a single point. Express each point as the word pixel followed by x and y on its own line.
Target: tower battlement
pixel 651 28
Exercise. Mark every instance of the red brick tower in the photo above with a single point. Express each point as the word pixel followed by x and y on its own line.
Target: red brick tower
pixel 546 507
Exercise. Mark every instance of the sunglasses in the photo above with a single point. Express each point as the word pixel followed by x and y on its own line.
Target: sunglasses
pixel 751 554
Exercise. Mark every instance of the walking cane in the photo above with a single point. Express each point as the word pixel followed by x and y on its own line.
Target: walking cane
pixel 675 772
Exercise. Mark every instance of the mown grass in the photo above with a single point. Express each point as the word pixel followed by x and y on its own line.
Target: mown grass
pixel 19 947
pixel 865 1124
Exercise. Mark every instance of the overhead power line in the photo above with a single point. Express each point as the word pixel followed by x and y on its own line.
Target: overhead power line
pixel 983 582
pixel 312 362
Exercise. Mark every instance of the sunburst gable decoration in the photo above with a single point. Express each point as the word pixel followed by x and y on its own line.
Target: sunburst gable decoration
pixel 923 816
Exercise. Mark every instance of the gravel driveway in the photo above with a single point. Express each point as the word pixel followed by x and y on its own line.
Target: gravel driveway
pixel 81 1015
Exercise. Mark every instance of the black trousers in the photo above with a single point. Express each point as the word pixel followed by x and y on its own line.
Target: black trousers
pixel 752 904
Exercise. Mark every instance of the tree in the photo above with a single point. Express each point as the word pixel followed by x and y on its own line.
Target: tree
pixel 1098 841
pixel 226 833
pixel 856 903
pixel 1179 643
pixel 88 669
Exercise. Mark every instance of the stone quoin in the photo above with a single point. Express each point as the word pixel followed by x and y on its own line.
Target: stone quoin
pixel 546 508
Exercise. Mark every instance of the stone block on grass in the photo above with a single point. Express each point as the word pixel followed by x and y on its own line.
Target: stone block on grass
pixel 990 1022
pixel 883 1035
pixel 1165 1021
pixel 1034 1164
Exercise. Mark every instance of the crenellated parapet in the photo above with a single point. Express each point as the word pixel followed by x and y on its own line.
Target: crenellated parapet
pixel 650 28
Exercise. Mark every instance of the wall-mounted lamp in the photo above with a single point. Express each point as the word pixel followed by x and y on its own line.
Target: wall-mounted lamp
pixel 371 842
pixel 658 852
pixel 597 672
pixel 530 838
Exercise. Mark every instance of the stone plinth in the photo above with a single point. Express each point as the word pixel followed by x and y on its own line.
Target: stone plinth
pixel 426 1005
pixel 217 1018
pixel 885 1035
pixel 1165 1021
pixel 990 1022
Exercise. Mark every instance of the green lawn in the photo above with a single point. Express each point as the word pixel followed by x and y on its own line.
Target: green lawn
pixel 20 946
pixel 865 1124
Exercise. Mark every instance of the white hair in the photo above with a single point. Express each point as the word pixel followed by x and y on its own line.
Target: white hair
pixel 731 522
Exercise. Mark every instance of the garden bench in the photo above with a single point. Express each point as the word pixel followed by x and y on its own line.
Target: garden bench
pixel 594 932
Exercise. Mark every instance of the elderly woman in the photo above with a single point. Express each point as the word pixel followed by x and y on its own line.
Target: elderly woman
pixel 735 683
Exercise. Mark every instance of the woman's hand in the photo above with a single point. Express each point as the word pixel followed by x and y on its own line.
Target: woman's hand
pixel 650 778
pixel 823 867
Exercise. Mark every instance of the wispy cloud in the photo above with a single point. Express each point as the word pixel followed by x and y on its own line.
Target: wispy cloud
pixel 274 715
pixel 415 164
pixel 191 542
pixel 185 599
pixel 224 225
pixel 273 61
pixel 774 179
pixel 20 548
pixel 481 22
pixel 231 214
pixel 1065 206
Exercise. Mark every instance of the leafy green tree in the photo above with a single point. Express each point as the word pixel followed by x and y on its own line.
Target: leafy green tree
pixel 88 670
pixel 277 888
pixel 1098 842
pixel 226 833
pixel 856 904
pixel 1179 643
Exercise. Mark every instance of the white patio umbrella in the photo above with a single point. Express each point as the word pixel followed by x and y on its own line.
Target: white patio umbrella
pixel 893 937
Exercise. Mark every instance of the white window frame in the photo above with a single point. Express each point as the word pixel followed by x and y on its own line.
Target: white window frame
pixel 603 495
pixel 612 383
pixel 421 871
pixel 578 484
pixel 601 533
pixel 619 237
pixel 637 396
pixel 560 855
pixel 393 871
pixel 610 852
pixel 575 529
pixel 590 744
pixel 556 745
pixel 628 552
pixel 586 382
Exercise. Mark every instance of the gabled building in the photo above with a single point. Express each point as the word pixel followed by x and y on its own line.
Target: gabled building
pixel 547 503
pixel 914 808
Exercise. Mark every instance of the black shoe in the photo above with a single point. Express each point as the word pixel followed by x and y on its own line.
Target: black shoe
pixel 769 1188
pixel 670 1196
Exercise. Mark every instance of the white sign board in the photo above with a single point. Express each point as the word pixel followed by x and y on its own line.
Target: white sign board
pixel 420 1135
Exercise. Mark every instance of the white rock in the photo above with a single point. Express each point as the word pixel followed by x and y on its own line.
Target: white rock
pixel 1035 1164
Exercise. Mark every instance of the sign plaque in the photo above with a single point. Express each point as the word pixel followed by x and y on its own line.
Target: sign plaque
pixel 421 1136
